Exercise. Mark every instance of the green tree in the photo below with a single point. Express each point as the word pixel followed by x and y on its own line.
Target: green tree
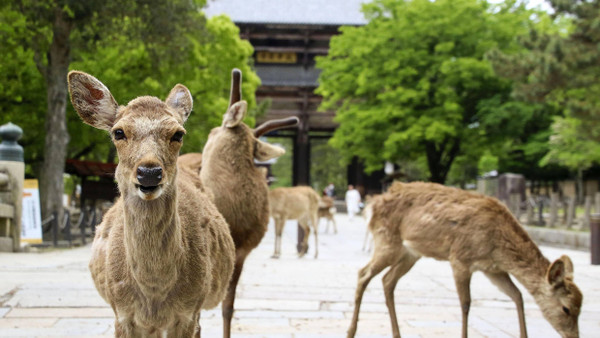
pixel 412 81
pixel 325 167
pixel 136 47
pixel 559 68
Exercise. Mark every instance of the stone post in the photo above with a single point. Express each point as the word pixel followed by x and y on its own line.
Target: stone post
pixel 587 212
pixel 571 211
pixel 13 167
pixel 553 209
pixel 595 238
pixel 530 205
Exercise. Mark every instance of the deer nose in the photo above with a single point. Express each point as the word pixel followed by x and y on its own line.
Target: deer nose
pixel 149 177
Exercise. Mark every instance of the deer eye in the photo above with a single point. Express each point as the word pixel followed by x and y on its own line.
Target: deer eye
pixel 566 310
pixel 177 137
pixel 119 134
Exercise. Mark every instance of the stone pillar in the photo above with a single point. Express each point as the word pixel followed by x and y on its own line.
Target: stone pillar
pixel 553 209
pixel 530 206
pixel 12 169
pixel 587 212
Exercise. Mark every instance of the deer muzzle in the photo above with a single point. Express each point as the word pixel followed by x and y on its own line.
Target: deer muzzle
pixel 149 178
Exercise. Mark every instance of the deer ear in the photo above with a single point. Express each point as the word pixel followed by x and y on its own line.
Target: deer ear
pixel 235 114
pixel 92 100
pixel 264 151
pixel 181 100
pixel 560 270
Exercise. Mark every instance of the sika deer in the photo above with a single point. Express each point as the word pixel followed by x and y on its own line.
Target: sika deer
pixel 163 251
pixel 473 232
pixel 239 187
pixel 301 203
pixel 327 210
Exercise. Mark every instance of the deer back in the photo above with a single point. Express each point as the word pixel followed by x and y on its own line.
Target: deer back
pixel 293 202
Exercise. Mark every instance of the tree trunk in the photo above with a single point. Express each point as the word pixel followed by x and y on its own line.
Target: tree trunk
pixel 57 137
pixel 439 159
pixel 579 185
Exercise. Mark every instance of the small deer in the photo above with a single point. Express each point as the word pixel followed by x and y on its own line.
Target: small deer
pixel 474 233
pixel 301 203
pixel 327 210
pixel 238 187
pixel 163 251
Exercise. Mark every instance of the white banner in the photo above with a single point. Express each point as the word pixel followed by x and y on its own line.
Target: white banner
pixel 31 221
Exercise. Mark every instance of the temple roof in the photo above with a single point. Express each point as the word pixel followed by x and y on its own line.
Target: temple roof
pixel 301 12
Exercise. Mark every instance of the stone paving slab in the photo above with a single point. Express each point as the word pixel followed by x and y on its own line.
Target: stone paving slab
pixel 51 294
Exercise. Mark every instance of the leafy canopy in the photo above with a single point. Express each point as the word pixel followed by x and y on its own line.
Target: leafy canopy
pixel 413 80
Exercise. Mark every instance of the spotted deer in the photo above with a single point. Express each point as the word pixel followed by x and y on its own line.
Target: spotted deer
pixel 238 187
pixel 474 233
pixel 163 251
pixel 301 203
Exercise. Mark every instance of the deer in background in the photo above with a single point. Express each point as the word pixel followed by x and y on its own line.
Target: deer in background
pixel 301 203
pixel 474 233
pixel 327 210
pixel 238 187
pixel 163 251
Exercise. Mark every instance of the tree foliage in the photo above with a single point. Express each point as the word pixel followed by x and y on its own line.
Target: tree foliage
pixel 134 47
pixel 415 81
pixel 560 69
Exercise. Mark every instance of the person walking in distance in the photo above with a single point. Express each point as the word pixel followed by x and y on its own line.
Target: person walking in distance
pixel 352 201
pixel 330 190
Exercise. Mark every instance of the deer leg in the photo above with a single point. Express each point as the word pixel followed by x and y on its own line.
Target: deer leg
pixel 185 327
pixel 462 279
pixel 315 225
pixel 303 223
pixel 227 306
pixel 279 222
pixel 390 279
pixel 366 240
pixel 379 261
pixel 505 284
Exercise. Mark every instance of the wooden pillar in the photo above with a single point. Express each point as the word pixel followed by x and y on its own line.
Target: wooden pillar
pixel 301 170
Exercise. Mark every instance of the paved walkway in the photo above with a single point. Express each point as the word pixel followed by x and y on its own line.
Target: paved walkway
pixel 52 294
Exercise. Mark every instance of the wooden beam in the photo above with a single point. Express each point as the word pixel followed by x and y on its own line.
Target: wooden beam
pixel 289 36
pixel 293 49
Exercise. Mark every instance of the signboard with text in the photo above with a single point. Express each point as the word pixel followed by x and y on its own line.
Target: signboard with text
pixel 31 220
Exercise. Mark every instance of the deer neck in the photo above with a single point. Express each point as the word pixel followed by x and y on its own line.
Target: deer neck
pixel 153 241
pixel 529 267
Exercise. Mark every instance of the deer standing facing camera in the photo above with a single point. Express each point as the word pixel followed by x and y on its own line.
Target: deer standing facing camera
pixel 163 251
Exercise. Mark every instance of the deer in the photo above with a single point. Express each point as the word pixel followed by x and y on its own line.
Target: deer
pixel 367 213
pixel 163 251
pixel 327 210
pixel 301 203
pixel 239 188
pixel 474 233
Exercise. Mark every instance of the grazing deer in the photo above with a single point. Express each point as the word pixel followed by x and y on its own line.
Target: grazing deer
pixel 163 251
pixel 473 232
pixel 239 188
pixel 301 203
pixel 327 210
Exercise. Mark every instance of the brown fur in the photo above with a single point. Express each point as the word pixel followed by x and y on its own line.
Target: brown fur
pixel 327 211
pixel 158 257
pixel 238 188
pixel 474 233
pixel 301 203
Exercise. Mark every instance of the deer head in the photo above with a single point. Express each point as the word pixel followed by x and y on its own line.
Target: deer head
pixel 235 136
pixel 562 299
pixel 147 133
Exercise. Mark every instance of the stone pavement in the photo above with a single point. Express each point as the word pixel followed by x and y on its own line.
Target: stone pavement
pixel 52 294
